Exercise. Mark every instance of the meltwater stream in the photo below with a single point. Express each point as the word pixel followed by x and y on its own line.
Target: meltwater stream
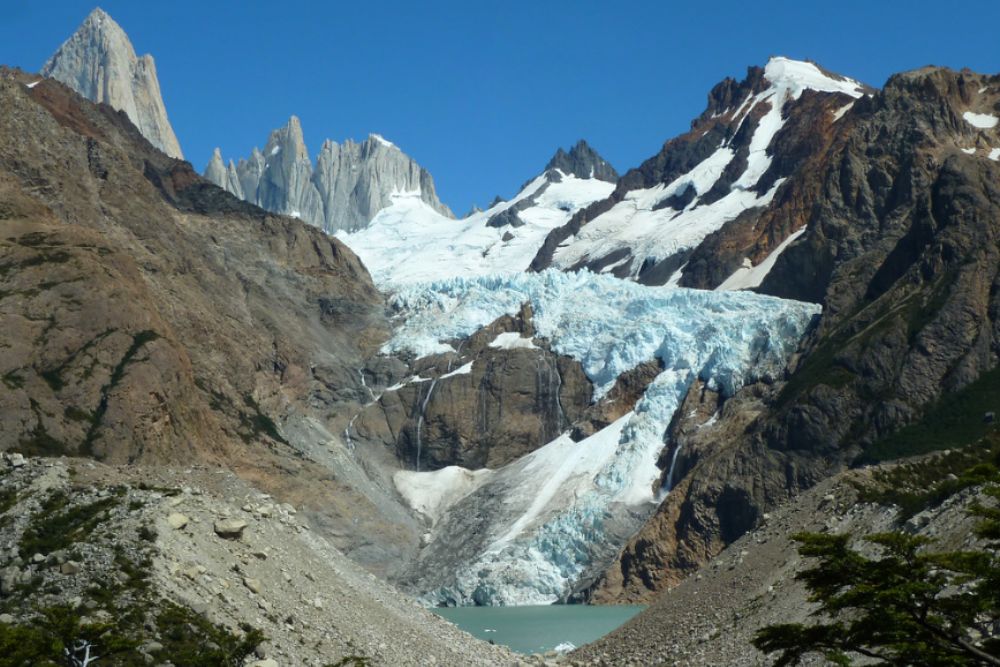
pixel 537 629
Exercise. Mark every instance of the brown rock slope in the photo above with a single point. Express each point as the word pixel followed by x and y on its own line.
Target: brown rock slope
pixel 902 210
pixel 148 316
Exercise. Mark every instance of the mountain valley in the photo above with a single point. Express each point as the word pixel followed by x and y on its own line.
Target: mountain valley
pixel 609 389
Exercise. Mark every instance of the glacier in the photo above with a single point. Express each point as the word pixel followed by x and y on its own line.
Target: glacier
pixel 526 532
pixel 409 242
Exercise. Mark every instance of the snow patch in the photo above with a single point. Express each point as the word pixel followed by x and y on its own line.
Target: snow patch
pixel 382 140
pixel 748 275
pixel 983 121
pixel 275 150
pixel 969 151
pixel 33 83
pixel 994 155
pixel 839 113
pixel 462 370
pixel 431 493
pixel 413 379
pixel 513 341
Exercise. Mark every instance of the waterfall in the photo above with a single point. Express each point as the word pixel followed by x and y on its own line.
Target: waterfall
pixel 364 384
pixel 557 393
pixel 347 432
pixel 548 385
pixel 420 419
pixel 673 464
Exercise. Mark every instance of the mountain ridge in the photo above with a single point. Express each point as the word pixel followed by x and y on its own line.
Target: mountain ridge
pixel 348 184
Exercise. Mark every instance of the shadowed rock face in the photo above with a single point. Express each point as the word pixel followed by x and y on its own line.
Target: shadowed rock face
pixel 98 62
pixel 902 207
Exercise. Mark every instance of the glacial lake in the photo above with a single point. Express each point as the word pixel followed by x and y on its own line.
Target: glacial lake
pixel 539 629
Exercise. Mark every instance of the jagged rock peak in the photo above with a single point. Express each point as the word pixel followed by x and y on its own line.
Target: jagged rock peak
pixel 225 176
pixel 287 139
pixel 345 188
pixel 215 171
pixel 99 62
pixel 583 161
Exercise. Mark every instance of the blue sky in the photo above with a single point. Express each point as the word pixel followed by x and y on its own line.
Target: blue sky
pixel 481 92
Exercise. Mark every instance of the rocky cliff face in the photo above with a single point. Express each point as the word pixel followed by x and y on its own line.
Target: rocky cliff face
pixel 349 184
pixel 482 407
pixel 98 62
pixel 901 207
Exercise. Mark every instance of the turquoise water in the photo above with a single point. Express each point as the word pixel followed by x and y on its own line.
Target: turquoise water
pixel 539 629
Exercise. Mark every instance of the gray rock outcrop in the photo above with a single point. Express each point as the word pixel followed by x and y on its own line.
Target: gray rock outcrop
pixel 583 161
pixel 225 176
pixel 285 184
pixel 99 62
pixel 349 184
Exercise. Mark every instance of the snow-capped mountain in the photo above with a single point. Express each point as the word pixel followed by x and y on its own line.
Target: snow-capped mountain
pixel 731 165
pixel 99 62
pixel 410 241
pixel 348 185
pixel 687 216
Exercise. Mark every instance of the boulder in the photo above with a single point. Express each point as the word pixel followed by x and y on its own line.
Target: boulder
pixel 230 529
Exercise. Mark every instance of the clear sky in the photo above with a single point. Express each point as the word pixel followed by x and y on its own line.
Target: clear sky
pixel 482 92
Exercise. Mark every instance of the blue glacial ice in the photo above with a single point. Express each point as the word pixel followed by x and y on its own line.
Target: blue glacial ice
pixel 555 504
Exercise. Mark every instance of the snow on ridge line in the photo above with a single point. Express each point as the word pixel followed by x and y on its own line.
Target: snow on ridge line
pixel 411 242
pixel 382 140
pixel 648 234
pixel 799 75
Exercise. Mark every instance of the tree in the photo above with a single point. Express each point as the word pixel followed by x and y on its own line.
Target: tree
pixel 906 606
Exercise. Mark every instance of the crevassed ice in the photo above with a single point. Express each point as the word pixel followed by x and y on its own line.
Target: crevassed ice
pixel 609 325
pixel 558 502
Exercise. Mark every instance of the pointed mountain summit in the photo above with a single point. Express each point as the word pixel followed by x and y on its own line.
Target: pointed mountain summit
pixel 98 62
pixel 583 161
pixel 345 189
pixel 222 175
